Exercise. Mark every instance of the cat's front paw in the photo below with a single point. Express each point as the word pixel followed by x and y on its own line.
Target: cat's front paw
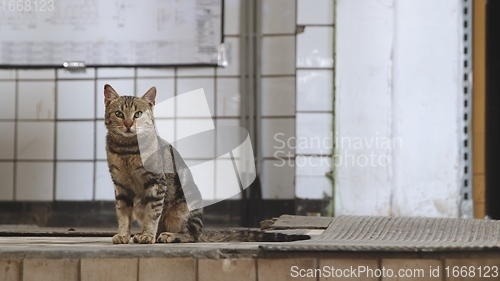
pixel 120 239
pixel 167 237
pixel 144 238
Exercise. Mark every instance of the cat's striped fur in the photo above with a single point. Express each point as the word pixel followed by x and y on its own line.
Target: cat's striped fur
pixel 156 198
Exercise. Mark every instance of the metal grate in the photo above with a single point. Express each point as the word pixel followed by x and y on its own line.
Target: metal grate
pixel 404 234
pixel 466 192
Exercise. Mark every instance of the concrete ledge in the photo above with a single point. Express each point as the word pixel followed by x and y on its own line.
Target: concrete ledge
pixel 362 244
pixel 101 247
pixel 96 259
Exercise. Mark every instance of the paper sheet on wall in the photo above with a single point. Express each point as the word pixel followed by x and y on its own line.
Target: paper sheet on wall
pixel 117 32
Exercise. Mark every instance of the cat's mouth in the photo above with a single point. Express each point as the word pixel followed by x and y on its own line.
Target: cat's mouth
pixel 127 132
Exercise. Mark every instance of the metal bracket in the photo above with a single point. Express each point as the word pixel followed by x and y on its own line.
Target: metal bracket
pixel 74 66
pixel 466 190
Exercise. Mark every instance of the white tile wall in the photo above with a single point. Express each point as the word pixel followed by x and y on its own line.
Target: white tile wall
pixel 166 129
pixel 195 146
pixel 36 100
pixel 314 90
pixel 204 177
pixel 311 181
pixel 165 90
pixel 100 140
pixel 236 151
pixel 226 179
pixel 227 122
pixel 277 55
pixel 313 187
pixel 75 140
pixel 28 74
pixel 87 73
pixel 314 133
pixel 277 133
pixel 7 138
pixel 235 122
pixel 278 16
pixel 34 181
pixel 312 166
pixel 315 47
pixel 155 72
pixel 277 179
pixel 9 74
pixel 8 100
pixel 232 17
pixel 288 107
pixel 7 183
pixel 195 107
pixel 104 189
pixel 228 97
pixel 188 127
pixel 164 108
pixel 115 72
pixel 75 99
pixel 315 12
pixel 74 181
pixel 35 140
pixel 278 96
pixel 195 72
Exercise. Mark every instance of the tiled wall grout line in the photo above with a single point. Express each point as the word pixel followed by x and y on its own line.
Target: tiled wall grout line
pixel 95 120
pixel 16 116
pixel 54 172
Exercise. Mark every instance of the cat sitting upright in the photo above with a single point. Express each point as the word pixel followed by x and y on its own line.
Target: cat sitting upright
pixel 152 182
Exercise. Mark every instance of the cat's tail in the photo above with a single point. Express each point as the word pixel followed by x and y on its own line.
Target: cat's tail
pixel 248 235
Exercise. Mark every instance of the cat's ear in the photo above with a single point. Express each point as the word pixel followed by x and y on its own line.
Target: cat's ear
pixel 150 96
pixel 109 94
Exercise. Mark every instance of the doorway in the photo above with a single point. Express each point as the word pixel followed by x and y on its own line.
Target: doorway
pixel 492 110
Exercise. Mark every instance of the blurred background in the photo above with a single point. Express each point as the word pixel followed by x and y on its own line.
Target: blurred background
pixel 353 107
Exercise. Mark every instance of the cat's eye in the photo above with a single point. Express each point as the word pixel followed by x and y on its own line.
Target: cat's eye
pixel 119 114
pixel 138 114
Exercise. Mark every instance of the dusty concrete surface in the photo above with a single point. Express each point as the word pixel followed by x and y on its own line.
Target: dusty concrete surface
pixel 344 234
pixel 87 247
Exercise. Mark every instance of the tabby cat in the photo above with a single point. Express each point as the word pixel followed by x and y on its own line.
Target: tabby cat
pixel 150 186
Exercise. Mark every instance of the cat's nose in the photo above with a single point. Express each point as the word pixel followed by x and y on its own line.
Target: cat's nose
pixel 128 123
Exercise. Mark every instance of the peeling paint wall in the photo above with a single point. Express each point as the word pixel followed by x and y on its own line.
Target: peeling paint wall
pixel 398 89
